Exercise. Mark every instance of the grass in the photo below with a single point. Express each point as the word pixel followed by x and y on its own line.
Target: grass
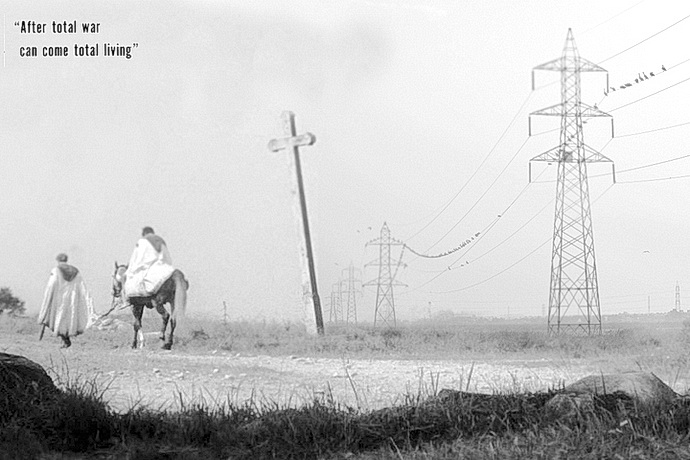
pixel 426 340
pixel 76 422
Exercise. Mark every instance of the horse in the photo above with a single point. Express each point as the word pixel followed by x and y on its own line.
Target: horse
pixel 173 292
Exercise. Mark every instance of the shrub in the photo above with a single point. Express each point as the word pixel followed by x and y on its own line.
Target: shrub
pixel 11 304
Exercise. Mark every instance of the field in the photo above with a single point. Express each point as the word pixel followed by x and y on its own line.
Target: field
pixel 276 366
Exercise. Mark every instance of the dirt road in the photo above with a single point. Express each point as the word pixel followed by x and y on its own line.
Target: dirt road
pixel 157 378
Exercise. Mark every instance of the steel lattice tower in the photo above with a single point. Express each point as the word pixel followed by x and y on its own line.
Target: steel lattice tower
pixel 677 306
pixel 574 293
pixel 336 312
pixel 385 300
pixel 351 292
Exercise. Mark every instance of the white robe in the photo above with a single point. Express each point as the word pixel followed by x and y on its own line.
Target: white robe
pixel 148 269
pixel 67 307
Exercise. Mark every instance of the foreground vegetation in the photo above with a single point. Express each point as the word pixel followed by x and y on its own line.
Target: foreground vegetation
pixel 78 423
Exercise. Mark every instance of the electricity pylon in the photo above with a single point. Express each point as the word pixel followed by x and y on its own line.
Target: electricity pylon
pixel 350 294
pixel 677 307
pixel 388 269
pixel 336 312
pixel 574 294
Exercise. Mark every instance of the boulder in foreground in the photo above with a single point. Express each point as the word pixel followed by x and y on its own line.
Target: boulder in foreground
pixel 20 377
pixel 641 386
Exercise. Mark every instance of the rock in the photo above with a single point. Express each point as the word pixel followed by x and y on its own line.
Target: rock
pixel 569 407
pixel 577 401
pixel 642 386
pixel 448 397
pixel 110 324
pixel 19 374
pixel 23 384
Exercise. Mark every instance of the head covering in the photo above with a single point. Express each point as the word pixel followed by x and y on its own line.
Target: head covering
pixel 62 257
pixel 146 230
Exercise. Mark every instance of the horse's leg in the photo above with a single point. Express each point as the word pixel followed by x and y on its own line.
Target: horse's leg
pixel 137 311
pixel 173 324
pixel 170 300
pixel 165 316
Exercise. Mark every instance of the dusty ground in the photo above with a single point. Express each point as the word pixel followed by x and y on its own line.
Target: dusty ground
pixel 157 378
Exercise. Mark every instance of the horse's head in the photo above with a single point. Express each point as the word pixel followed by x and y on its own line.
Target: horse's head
pixel 118 279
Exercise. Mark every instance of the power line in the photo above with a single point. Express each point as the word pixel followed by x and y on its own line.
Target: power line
pixel 484 233
pixel 642 41
pixel 501 137
pixel 548 240
pixel 515 232
pixel 649 95
pixel 444 254
pixel 607 92
pixel 613 17
pixel 505 131
pixel 654 130
pixel 483 194
pixel 627 49
pixel 632 169
pixel 513 264
pixel 505 211
pixel 643 167
pixel 654 180
pixel 443 209
pixel 654 164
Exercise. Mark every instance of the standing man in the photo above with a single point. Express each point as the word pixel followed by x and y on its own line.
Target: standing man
pixel 149 266
pixel 67 307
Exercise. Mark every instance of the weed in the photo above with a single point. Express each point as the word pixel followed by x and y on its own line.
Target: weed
pixel 428 422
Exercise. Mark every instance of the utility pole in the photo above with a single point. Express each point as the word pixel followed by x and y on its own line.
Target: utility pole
pixel 292 143
pixel 677 306
pixel 574 292
pixel 225 313
pixel 385 300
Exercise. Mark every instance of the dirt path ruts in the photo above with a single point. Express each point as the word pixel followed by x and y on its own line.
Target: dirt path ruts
pixel 157 378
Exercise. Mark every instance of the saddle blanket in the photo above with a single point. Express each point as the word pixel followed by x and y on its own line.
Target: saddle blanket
pixel 148 282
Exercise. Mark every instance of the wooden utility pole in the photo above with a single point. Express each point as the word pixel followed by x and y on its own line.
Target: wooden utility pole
pixel 293 142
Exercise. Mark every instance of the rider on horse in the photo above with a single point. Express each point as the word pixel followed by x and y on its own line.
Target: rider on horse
pixel 150 280
pixel 149 266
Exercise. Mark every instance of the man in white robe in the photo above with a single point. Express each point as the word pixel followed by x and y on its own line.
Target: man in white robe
pixel 67 308
pixel 149 267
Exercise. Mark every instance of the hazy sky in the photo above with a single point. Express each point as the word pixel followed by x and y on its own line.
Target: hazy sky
pixel 420 111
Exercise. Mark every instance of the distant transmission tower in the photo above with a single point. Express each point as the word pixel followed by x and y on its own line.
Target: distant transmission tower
pixel 350 294
pixel 388 269
pixel 336 311
pixel 574 295
pixel 677 307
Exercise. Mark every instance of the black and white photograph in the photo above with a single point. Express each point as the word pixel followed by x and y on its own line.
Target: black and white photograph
pixel 419 229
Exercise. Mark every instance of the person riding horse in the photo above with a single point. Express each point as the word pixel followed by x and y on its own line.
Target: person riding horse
pixel 149 266
pixel 150 280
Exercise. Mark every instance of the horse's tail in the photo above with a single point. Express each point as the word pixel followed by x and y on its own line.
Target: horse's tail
pixel 181 286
